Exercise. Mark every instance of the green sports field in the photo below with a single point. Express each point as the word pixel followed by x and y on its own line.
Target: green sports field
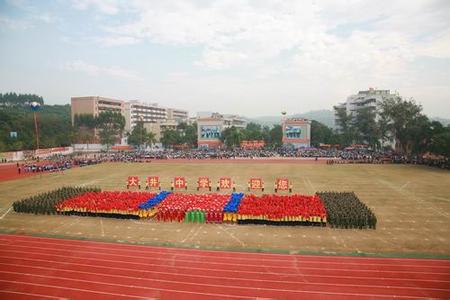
pixel 412 204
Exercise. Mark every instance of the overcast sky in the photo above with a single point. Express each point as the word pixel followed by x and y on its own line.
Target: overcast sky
pixel 248 57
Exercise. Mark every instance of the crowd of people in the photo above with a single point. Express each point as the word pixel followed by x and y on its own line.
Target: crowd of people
pixel 332 156
pixel 345 210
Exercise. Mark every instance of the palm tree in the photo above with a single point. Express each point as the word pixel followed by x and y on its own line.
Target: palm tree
pixel 150 139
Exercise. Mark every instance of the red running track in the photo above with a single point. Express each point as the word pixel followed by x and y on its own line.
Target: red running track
pixel 46 268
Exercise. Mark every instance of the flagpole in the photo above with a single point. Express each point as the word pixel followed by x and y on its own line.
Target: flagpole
pixel 35 106
pixel 36 129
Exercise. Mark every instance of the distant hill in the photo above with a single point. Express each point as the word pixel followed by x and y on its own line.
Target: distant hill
pixel 323 116
pixel 445 122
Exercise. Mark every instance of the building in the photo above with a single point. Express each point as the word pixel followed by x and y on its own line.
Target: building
pixel 160 126
pixel 364 99
pixel 93 105
pixel 148 113
pixel 155 118
pixel 234 120
pixel 211 126
pixel 179 115
pixel 296 132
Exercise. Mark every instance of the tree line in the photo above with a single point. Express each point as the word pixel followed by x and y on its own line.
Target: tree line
pixel 393 120
pixel 13 99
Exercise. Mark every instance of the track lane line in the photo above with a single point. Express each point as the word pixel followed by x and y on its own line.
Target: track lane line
pixel 245 275
pixel 305 271
pixel 30 294
pixel 257 293
pixel 122 257
pixel 382 289
pixel 226 253
pixel 277 261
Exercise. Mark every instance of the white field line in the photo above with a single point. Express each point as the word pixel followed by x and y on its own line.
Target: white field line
pixel 232 236
pixel 7 212
pixel 102 228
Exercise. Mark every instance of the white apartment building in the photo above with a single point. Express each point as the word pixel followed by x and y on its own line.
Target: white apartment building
pixel 179 115
pixel 369 98
pixel 136 111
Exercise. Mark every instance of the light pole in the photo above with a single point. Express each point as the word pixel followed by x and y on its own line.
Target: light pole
pixel 35 106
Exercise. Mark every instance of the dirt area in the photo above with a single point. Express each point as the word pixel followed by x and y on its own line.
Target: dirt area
pixel 412 204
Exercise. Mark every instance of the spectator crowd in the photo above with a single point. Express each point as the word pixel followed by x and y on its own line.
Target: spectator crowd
pixel 332 156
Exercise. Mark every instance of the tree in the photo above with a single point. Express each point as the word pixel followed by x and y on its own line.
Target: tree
pixel 170 138
pixel 84 128
pixel 138 135
pixel 252 132
pixel 344 121
pixel 111 126
pixel 15 116
pixel 403 121
pixel 232 137
pixel 84 120
pixel 276 136
pixel 189 134
pixel 440 142
pixel 367 128
pixel 320 133
pixel 149 139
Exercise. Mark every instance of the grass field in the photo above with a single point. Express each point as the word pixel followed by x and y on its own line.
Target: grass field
pixel 412 204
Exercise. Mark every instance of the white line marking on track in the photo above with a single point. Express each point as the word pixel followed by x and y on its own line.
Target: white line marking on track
pixel 360 262
pixel 228 279
pixel 69 288
pixel 30 294
pixel 204 284
pixel 5 213
pixel 150 271
pixel 122 295
pixel 219 263
pixel 129 247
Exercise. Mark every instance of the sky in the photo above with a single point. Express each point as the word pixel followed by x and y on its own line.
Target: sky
pixel 253 58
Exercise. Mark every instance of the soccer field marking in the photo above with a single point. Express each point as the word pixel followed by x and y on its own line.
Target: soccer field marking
pixel 188 235
pixel 9 209
pixel 196 233
pixel 440 198
pixel 58 229
pixel 102 228
pixel 311 185
pixel 410 195
pixel 232 236
pixel 308 186
pixel 405 185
